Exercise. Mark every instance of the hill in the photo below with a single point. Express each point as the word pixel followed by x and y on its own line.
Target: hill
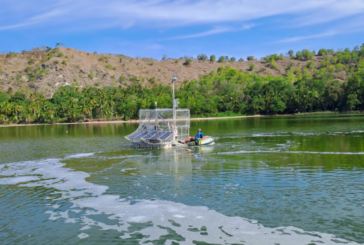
pixel 55 84
pixel 44 70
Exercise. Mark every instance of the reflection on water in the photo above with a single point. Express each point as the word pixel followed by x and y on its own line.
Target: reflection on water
pixel 265 181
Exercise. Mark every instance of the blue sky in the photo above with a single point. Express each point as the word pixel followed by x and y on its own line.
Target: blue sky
pixel 152 28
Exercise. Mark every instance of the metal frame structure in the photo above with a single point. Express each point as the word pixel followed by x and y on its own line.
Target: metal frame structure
pixel 161 127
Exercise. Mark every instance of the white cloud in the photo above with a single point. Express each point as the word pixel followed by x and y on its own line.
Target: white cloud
pixel 214 31
pixel 300 38
pixel 170 13
pixel 202 34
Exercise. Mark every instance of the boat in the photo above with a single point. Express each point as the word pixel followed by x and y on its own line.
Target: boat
pixel 207 140
pixel 164 127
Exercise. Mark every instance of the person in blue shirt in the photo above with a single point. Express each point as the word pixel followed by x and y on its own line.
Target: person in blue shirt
pixel 198 136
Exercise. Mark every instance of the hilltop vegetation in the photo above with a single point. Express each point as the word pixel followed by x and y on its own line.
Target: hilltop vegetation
pixel 327 81
pixel 44 70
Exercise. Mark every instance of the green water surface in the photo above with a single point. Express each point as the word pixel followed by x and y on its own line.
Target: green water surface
pixel 272 172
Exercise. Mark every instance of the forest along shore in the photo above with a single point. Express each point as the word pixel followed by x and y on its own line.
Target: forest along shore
pixel 224 92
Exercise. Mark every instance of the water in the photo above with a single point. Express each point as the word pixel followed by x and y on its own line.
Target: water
pixel 278 180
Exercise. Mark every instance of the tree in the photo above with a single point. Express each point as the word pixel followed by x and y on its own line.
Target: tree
pixel 18 98
pixel 213 58
pixel 188 62
pixel 165 57
pixel 202 57
pixel 59 45
pixel 221 59
pixel 250 58
pixel 307 54
pixel 290 53
pixel 311 64
pixel 331 51
pixel 4 96
pixel 232 59
pixel 241 60
pixel 251 67
pixel 299 55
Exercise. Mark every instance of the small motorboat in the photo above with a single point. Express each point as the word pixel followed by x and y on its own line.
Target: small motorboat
pixel 207 140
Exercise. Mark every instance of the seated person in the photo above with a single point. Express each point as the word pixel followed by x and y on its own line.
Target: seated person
pixel 199 136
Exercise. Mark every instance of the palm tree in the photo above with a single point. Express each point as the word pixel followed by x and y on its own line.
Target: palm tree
pixel 18 109
pixel 6 108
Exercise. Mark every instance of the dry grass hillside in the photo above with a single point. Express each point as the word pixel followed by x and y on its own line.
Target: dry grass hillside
pixel 44 71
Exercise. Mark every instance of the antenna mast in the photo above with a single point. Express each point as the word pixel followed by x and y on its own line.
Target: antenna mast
pixel 174 78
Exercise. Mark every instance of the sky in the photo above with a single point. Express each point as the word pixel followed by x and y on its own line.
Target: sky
pixel 178 28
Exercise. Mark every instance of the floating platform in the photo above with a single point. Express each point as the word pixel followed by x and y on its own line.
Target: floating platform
pixel 161 128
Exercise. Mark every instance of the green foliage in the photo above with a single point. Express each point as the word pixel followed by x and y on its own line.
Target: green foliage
pixel 232 59
pixel 202 57
pixel 339 67
pixel 226 91
pixel 122 79
pixel 221 59
pixel 322 52
pixel 273 64
pixel 251 67
pixel 291 53
pixel 64 62
pixel 31 61
pixel 307 54
pixel 10 55
pixel 311 64
pixel 104 58
pixel 331 68
pixel 59 54
pixel 109 67
pixel 213 58
pixel 4 96
pixel 250 58
pixel 187 62
pixel 299 55
pixel 270 58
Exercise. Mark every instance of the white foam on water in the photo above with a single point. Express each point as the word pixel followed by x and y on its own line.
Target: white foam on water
pixel 83 235
pixel 80 155
pixel 127 169
pixel 293 152
pixel 17 180
pixel 192 223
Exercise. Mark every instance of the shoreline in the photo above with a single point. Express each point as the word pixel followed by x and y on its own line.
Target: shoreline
pixel 191 119
pixel 119 121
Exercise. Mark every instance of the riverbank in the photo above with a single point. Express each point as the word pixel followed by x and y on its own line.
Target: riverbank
pixel 192 119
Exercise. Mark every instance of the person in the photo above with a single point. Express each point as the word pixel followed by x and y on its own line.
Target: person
pixel 198 136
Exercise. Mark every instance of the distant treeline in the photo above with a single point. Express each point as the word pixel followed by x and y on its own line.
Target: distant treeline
pixel 226 91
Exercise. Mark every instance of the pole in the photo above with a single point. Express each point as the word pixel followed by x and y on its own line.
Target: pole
pixel 174 78
pixel 156 116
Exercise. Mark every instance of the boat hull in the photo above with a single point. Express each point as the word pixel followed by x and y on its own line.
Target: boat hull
pixel 207 140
